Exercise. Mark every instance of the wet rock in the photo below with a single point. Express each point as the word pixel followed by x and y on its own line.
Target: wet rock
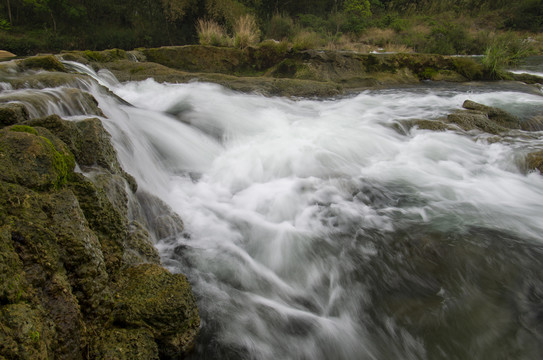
pixel 534 161
pixel 148 296
pixel 125 344
pixel 534 123
pixel 12 113
pixel 45 62
pixel 67 244
pixel 40 103
pixel 44 80
pixel 469 120
pixel 158 216
pixel 32 160
pixel 499 116
pixel 424 124
pixel 25 333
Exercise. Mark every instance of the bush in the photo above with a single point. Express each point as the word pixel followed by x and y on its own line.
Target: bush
pixel 448 39
pixel 280 27
pixel 211 33
pixel 246 32
pixel 505 50
pixel 306 39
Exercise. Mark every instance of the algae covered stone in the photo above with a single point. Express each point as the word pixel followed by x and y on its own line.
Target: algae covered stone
pixel 32 160
pixel 149 296
pixel 12 113
pixel 534 161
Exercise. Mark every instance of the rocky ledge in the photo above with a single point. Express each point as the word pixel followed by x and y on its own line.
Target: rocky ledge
pixel 80 277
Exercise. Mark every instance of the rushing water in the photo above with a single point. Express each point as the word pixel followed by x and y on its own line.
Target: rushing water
pixel 328 229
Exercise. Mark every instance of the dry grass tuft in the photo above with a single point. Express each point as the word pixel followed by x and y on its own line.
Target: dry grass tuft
pixel 211 33
pixel 246 32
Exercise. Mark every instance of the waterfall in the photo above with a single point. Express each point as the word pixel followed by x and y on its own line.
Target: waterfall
pixel 330 229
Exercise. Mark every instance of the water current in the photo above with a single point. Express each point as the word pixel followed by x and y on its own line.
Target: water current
pixel 333 229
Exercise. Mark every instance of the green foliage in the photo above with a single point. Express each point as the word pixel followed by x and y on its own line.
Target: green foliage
pixel 280 27
pixel 448 39
pixel 357 8
pixel 306 39
pixel 527 15
pixel 506 50
pixel 4 24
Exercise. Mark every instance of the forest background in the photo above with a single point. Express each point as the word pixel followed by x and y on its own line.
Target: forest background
pixel 432 26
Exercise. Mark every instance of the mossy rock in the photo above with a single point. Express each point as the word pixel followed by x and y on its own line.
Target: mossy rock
pixel 13 284
pixel 46 79
pixel 32 160
pixel 125 344
pixel 534 123
pixel 25 334
pixel 468 68
pixel 148 296
pixel 499 116
pixel 96 148
pixel 45 62
pixel 70 100
pixel 104 56
pixel 13 113
pixel 424 124
pixel 534 161
pixel 200 58
pixel 471 120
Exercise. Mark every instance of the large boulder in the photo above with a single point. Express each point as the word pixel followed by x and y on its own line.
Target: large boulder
pixel 484 118
pixel 499 116
pixel 12 113
pixel 148 296
pixel 71 256
pixel 32 160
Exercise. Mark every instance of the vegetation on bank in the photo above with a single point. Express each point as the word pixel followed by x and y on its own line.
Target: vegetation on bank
pixel 429 26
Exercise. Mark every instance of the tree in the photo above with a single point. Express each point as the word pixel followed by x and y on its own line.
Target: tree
pixel 357 8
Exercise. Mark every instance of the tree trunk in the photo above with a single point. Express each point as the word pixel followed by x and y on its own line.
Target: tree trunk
pixel 9 13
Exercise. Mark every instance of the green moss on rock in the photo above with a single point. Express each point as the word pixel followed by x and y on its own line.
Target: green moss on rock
pixel 534 161
pixel 32 160
pixel 12 113
pixel 45 62
pixel 24 128
pixel 148 296
pixel 125 344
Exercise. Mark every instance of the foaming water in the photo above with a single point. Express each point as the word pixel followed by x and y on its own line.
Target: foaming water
pixel 331 230
pixel 308 222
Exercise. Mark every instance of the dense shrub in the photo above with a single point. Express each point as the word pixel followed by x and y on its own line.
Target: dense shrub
pixel 280 27
pixel 306 39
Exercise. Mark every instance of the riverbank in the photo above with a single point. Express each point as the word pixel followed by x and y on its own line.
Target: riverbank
pixel 272 69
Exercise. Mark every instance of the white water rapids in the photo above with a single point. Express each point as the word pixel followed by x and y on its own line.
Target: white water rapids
pixel 326 229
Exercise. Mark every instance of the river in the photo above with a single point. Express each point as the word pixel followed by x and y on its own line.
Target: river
pixel 330 229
